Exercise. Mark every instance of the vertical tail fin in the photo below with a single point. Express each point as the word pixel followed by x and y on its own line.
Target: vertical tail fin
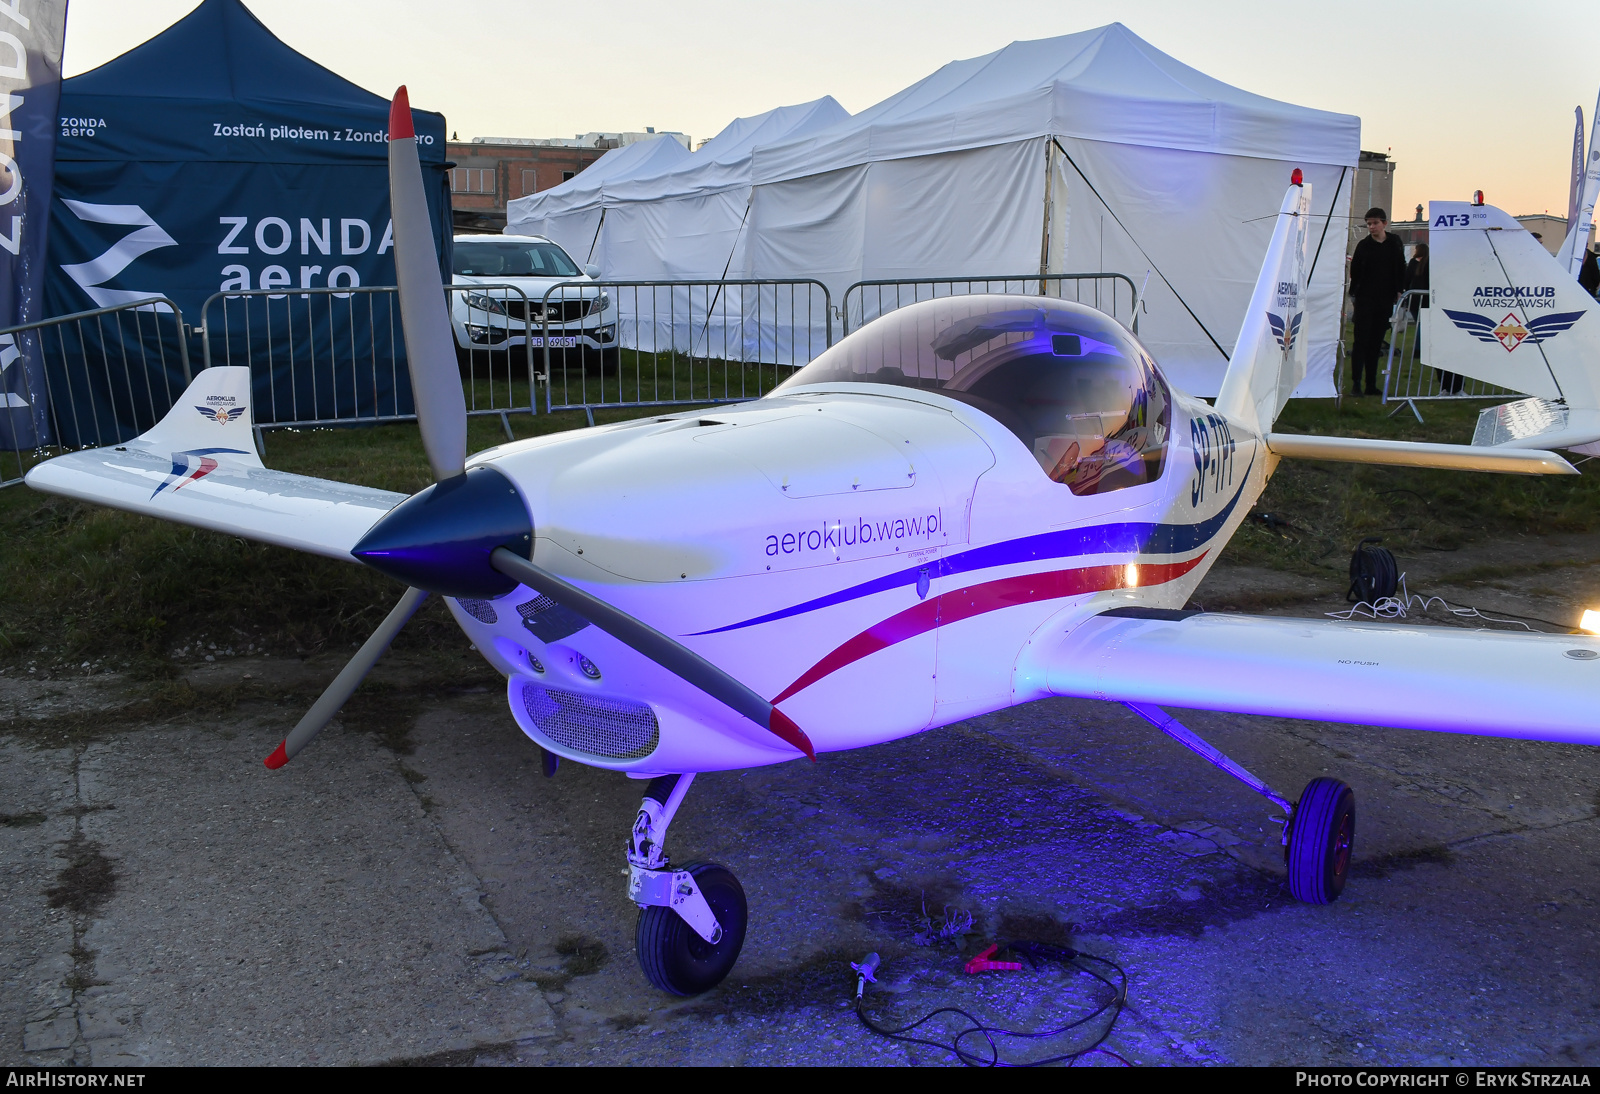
pixel 1269 356
pixel 1503 311
pixel 1580 211
pixel 211 417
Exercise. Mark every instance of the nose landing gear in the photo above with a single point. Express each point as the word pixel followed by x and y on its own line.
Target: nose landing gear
pixel 691 920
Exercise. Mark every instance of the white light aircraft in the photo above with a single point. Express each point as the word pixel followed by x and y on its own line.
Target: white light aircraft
pixel 970 503
pixel 1503 311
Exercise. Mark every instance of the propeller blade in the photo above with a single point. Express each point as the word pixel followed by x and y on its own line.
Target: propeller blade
pixel 424 312
pixel 344 685
pixel 669 653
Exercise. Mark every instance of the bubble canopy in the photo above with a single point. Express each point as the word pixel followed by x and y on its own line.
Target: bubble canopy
pixel 1074 386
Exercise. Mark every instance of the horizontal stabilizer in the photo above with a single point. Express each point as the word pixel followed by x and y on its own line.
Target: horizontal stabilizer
pixel 1449 457
pixel 198 466
pixel 1537 423
pixel 1495 683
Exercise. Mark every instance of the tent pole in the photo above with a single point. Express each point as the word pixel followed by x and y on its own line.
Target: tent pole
pixel 595 241
pixel 1044 238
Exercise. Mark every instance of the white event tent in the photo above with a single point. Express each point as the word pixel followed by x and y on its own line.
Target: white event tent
pixel 667 217
pixel 1089 152
pixel 570 214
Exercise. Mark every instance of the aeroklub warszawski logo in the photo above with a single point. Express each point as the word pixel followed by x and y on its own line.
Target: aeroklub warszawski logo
pixel 222 415
pixel 1285 331
pixel 1512 332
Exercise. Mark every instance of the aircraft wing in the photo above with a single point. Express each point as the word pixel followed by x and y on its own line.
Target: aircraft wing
pixel 199 466
pixel 208 491
pixel 1496 683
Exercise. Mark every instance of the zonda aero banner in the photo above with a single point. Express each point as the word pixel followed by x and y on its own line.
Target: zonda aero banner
pixel 31 34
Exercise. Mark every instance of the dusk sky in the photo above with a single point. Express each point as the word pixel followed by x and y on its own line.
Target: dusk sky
pixel 1464 94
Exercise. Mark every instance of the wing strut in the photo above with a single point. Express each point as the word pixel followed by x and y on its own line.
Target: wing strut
pixel 1186 737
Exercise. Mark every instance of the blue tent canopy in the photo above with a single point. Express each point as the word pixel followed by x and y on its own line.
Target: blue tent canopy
pixel 213 158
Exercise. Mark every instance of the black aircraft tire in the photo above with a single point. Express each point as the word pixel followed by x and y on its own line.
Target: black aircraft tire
pixel 1320 841
pixel 676 959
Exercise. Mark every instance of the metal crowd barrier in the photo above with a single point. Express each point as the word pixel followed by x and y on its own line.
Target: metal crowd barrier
pixel 1408 380
pixel 664 343
pixel 109 374
pixel 335 355
pixel 1113 293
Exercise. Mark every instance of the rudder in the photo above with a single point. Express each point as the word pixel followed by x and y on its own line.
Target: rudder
pixel 1269 356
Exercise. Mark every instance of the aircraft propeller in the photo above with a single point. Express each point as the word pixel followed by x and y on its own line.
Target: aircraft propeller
pixel 461 536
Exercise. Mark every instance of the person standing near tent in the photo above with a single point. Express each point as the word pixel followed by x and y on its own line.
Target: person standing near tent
pixel 1377 276
pixel 1589 272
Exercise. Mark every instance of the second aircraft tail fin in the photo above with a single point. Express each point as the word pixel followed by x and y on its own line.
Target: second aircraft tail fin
pixel 1503 310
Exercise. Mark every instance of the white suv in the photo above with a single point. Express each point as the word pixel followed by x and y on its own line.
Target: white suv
pixel 583 320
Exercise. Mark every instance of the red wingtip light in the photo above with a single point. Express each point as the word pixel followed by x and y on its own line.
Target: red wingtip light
pixel 1298 179
pixel 279 757
pixel 1477 197
pixel 793 734
pixel 400 116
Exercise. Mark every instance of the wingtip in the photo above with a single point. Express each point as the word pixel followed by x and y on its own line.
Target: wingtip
pixel 279 757
pixel 400 116
pixel 785 728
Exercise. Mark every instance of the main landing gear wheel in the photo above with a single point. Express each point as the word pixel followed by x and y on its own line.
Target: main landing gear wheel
pixel 676 959
pixel 1320 837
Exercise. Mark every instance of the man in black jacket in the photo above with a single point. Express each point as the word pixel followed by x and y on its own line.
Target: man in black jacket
pixel 1377 275
pixel 1589 272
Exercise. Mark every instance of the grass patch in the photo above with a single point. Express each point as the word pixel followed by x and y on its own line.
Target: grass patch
pixel 581 954
pixel 81 583
pixel 1320 510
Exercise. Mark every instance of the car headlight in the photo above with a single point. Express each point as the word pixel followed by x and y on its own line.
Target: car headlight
pixel 602 302
pixel 485 303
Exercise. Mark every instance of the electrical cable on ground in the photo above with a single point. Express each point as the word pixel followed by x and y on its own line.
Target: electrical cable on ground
pixel 1399 607
pixel 1035 953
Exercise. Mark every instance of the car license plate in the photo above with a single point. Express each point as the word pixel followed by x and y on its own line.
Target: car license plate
pixel 569 342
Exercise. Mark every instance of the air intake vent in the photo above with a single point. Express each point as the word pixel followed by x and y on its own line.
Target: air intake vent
pixel 614 729
pixel 549 621
pixel 481 610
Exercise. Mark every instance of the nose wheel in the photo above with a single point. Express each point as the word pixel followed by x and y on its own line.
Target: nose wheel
pixel 673 956
pixel 691 918
pixel 1322 832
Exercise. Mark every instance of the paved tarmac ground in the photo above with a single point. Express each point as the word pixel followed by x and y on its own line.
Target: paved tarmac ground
pixel 411 889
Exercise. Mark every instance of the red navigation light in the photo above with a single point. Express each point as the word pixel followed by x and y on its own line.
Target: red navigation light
pixel 1477 197
pixel 1297 178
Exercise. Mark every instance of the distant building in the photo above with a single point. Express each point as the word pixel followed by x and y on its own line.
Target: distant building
pixel 490 172
pixel 1411 232
pixel 1550 229
pixel 597 139
pixel 1547 228
pixel 1373 186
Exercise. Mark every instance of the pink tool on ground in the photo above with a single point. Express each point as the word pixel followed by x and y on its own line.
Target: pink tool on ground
pixel 981 963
